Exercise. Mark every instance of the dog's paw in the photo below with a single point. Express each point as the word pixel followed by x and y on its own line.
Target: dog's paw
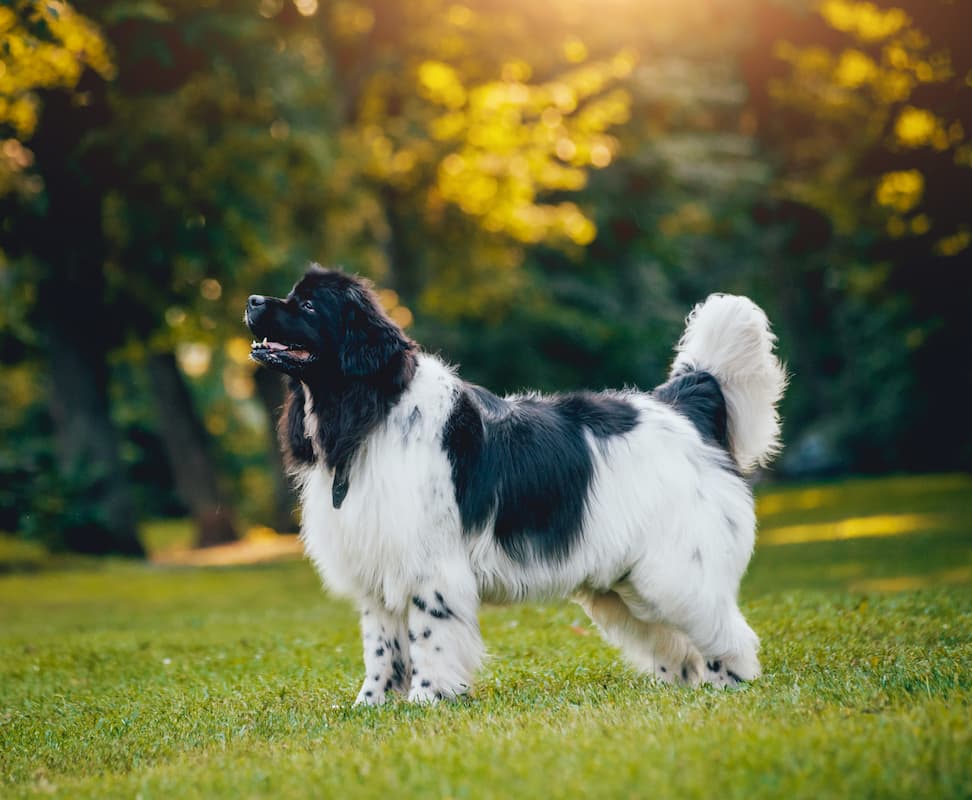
pixel 370 696
pixel 687 671
pixel 731 671
pixel 719 675
pixel 428 692
pixel 425 695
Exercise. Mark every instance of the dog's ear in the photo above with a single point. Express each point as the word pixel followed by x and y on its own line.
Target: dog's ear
pixel 371 339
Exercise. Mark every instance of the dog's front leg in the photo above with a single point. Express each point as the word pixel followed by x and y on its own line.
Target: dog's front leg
pixel 444 641
pixel 386 657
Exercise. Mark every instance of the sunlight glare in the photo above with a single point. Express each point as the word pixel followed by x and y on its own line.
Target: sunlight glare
pixel 879 525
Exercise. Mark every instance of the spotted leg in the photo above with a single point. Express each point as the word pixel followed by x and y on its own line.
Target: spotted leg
pixel 386 657
pixel 444 641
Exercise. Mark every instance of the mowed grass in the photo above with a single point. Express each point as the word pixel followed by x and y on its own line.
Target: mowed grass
pixel 131 680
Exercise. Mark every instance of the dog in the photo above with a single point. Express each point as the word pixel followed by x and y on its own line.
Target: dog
pixel 424 496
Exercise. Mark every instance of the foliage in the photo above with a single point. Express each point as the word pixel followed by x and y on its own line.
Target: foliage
pixel 121 679
pixel 872 94
pixel 868 108
pixel 46 45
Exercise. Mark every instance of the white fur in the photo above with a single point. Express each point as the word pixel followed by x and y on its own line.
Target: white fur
pixel 730 337
pixel 668 531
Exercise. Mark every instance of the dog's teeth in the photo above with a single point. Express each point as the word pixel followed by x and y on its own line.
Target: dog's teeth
pixel 264 341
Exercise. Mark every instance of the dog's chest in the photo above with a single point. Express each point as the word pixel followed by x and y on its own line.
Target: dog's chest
pixel 400 509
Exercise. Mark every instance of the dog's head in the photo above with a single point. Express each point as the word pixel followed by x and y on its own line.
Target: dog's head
pixel 330 324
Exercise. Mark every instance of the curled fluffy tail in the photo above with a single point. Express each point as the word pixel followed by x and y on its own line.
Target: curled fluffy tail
pixel 730 338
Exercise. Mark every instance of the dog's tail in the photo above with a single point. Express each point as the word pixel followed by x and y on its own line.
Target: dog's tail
pixel 730 338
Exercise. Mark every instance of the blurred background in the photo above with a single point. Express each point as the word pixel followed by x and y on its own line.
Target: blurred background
pixel 541 192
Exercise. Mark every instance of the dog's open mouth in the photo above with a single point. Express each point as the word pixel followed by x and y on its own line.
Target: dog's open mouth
pixel 266 351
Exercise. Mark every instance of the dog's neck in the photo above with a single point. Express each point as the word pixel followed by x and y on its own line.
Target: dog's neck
pixel 328 416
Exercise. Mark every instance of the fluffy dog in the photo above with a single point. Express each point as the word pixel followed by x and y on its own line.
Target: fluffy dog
pixel 424 495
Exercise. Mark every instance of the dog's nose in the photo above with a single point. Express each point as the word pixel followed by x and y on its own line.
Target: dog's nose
pixel 256 301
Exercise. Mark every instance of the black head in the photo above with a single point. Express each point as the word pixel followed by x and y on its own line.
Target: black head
pixel 330 325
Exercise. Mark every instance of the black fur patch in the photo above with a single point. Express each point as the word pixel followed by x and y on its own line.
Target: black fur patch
pixel 527 461
pixel 297 448
pixel 697 396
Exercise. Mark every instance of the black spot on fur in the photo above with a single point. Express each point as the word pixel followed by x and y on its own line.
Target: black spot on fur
pixel 419 603
pixel 411 635
pixel 426 633
pixel 697 556
pixel 388 684
pixel 397 646
pixel 426 684
pixel 714 666
pixel 734 676
pixel 377 677
pixel 527 461
pixel 438 596
pixel 411 422
pixel 684 673
pixel 664 669
pixel 698 396
pixel 340 486
pixel 440 613
pixel 380 652
pixel 368 693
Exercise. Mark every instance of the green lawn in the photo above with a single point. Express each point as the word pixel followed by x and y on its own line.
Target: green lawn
pixel 132 680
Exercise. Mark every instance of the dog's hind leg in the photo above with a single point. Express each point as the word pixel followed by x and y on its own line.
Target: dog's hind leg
pixel 711 620
pixel 653 648
pixel 443 633
pixel 386 656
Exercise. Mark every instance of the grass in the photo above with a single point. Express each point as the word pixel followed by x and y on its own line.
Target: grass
pixel 132 680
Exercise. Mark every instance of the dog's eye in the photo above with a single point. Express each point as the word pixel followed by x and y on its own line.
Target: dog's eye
pixel 307 305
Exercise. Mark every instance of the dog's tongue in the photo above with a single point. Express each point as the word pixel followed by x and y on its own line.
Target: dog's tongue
pixel 276 346
pixel 299 354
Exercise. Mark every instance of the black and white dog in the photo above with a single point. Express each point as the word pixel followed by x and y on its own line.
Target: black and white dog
pixel 424 495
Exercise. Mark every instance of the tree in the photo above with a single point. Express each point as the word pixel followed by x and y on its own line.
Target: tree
pixel 50 47
pixel 185 175
pixel 869 109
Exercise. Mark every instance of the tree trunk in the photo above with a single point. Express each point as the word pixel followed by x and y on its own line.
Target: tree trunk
pixel 270 389
pixel 101 517
pixel 67 239
pixel 187 448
